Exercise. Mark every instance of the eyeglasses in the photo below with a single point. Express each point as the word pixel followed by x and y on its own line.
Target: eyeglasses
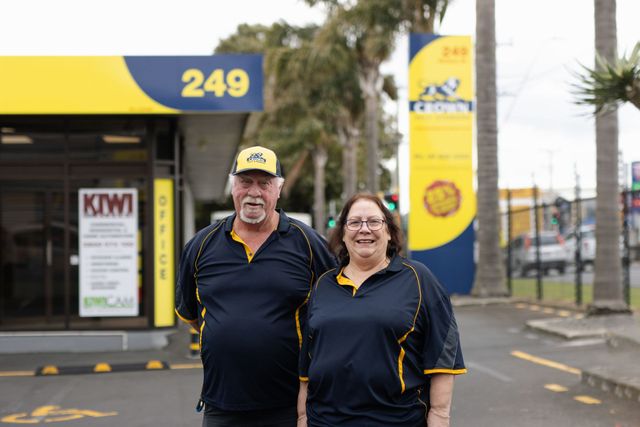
pixel 374 224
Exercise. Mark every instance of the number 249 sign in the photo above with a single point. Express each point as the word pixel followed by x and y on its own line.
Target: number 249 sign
pixel 201 83
pixel 235 83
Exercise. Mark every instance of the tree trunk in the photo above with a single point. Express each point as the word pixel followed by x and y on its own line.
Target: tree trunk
pixel 490 277
pixel 348 140
pixel 371 83
pixel 607 286
pixel 293 174
pixel 320 157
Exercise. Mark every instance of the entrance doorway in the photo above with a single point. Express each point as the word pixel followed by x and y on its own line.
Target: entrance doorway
pixel 32 257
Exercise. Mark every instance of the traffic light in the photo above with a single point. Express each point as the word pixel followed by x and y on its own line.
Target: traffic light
pixel 331 222
pixel 391 201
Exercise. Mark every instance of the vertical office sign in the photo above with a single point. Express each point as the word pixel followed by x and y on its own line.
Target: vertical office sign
pixel 164 267
pixel 442 199
pixel 108 221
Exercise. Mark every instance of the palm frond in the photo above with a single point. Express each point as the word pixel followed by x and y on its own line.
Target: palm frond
pixel 609 85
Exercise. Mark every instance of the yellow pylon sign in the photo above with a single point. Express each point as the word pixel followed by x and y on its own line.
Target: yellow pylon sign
pixel 52 414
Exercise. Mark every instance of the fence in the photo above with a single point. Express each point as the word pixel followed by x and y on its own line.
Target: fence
pixel 550 247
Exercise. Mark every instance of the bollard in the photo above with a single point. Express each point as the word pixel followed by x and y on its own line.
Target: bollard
pixel 194 345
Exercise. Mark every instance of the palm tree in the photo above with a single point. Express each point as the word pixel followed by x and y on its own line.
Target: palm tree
pixel 607 288
pixel 490 278
pixel 370 27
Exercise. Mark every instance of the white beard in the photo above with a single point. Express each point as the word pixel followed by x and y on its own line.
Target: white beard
pixel 248 219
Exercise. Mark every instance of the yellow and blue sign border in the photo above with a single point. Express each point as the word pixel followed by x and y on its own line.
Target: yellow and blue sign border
pixel 442 197
pixel 130 84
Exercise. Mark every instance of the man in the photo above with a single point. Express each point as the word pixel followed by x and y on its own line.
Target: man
pixel 243 283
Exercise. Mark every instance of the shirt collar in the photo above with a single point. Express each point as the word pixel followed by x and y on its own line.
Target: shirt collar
pixel 395 264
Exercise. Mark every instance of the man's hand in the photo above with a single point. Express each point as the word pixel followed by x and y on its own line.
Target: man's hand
pixel 302 421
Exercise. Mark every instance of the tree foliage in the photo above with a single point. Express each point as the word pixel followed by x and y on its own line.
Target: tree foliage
pixel 610 84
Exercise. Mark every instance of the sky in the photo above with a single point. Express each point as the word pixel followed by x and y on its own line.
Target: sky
pixel 544 138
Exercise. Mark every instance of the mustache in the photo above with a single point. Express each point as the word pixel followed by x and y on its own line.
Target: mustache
pixel 254 200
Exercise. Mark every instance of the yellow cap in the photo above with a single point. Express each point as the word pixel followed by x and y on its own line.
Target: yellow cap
pixel 257 158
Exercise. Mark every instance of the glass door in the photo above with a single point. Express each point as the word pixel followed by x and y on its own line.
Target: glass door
pixel 32 256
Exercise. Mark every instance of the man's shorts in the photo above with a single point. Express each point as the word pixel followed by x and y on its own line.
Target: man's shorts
pixel 281 417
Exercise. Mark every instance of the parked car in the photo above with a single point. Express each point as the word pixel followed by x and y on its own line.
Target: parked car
pixel 552 253
pixel 587 244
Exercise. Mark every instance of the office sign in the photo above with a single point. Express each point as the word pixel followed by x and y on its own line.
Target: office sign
pixel 108 227
pixel 442 198
pixel 164 261
pixel 130 84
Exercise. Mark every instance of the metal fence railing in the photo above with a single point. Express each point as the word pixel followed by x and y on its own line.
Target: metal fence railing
pixel 550 247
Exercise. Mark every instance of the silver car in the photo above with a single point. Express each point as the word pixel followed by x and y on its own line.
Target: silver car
pixel 552 253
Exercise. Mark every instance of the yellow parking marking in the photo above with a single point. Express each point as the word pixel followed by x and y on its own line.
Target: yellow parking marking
pixel 17 373
pixel 534 308
pixel 102 367
pixel 52 414
pixel 564 313
pixel 154 364
pixel 579 316
pixel 521 305
pixel 588 400
pixel 50 370
pixel 548 310
pixel 545 362
pixel 556 387
pixel 186 366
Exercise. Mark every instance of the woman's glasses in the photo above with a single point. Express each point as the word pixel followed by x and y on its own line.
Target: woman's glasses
pixel 374 224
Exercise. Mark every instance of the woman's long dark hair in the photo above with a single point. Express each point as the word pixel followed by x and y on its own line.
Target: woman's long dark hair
pixel 335 239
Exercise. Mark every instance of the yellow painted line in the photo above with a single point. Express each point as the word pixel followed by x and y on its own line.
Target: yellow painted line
pixel 545 362
pixel 548 310
pixel 579 316
pixel 185 366
pixel 17 373
pixel 564 313
pixel 521 305
pixel 556 387
pixel 534 308
pixel 588 400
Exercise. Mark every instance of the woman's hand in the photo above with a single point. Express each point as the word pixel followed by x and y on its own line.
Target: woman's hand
pixel 302 421
pixel 440 400
pixel 434 419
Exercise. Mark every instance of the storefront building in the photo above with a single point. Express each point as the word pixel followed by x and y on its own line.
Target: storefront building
pixel 101 160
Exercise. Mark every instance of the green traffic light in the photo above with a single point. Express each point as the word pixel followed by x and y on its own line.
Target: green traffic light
pixel 391 206
pixel 331 223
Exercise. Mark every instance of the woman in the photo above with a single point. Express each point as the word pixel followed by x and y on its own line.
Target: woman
pixel 381 343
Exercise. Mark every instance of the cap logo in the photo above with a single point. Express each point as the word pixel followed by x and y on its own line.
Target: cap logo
pixel 256 157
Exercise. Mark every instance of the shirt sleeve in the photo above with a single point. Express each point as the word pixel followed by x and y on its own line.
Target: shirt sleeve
pixel 186 298
pixel 442 352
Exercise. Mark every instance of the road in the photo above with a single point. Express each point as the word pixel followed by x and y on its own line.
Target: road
pixel 499 390
pixel 503 390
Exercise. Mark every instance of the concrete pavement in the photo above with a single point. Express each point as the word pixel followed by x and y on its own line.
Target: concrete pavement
pixel 616 370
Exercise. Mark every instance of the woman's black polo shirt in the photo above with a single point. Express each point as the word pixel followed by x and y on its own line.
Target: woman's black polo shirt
pixel 248 307
pixel 368 353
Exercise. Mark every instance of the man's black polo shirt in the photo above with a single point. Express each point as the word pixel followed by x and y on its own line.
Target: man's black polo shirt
pixel 368 353
pixel 249 308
